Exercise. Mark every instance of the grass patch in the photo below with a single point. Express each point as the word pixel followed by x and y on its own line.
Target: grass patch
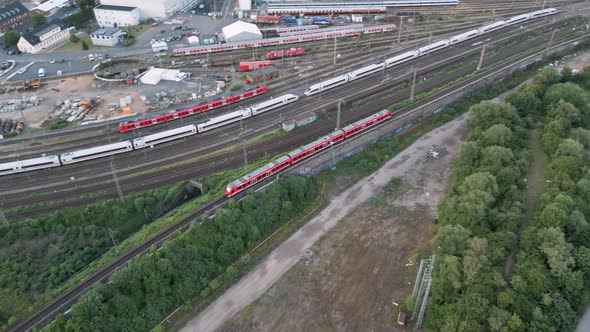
pixel 73 47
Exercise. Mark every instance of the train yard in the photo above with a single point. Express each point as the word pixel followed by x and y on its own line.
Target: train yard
pixel 50 187
pixel 365 75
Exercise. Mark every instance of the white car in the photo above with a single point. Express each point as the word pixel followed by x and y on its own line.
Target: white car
pixel 152 41
pixel 51 61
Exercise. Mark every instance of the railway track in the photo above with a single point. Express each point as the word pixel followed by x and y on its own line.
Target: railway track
pixel 50 310
pixel 194 169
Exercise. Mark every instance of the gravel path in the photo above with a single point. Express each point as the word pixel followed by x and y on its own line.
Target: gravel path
pixel 288 254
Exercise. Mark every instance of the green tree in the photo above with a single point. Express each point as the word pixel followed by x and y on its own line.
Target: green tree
pixel 556 250
pixel 568 92
pixel 85 4
pixel 570 147
pixel 84 46
pixel 451 240
pixel 37 19
pixel 548 76
pixel 566 74
pixel 498 135
pixel 11 37
pixel 74 38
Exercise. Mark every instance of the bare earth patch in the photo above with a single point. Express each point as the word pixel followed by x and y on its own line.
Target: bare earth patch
pixel 348 279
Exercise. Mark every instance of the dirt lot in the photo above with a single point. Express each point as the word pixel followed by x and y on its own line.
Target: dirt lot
pixel 348 279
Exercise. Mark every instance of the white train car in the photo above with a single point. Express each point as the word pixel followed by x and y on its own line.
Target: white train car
pixel 433 47
pixel 368 70
pixel 225 119
pixel 517 19
pixel 492 27
pixel 165 136
pixel 326 30
pixel 273 103
pixel 464 36
pixel 396 60
pixel 29 165
pixel 328 84
pixel 541 13
pixel 97 152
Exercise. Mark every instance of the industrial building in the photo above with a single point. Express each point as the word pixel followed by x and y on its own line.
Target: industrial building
pixel 241 31
pixel 159 9
pixel 13 15
pixel 44 37
pixel 106 37
pixel 51 7
pixel 120 16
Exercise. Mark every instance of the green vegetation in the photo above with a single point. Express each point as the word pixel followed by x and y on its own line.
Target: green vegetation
pixel 37 19
pixel 74 38
pixel 55 124
pixel 85 4
pixel 84 46
pixel 11 37
pixel 42 253
pixel 79 19
pixel 483 210
pixel 236 87
pixel 75 45
pixel 139 296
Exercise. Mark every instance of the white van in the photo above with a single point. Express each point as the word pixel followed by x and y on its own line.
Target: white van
pixel 41 72
pixel 91 57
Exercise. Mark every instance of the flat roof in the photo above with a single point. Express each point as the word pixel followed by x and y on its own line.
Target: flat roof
pixel 119 8
pixel 106 31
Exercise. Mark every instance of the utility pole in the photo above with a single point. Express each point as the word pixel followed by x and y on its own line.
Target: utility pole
pixel 335 50
pixel 338 116
pixel 116 181
pixel 431 31
pixel 3 218
pixel 399 31
pixel 544 2
pixel 483 51
pixel 413 83
pixel 113 239
pixel 493 14
pixel 550 40
pixel 245 157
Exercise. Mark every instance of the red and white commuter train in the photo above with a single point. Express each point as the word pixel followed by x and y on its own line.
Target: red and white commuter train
pixel 305 152
pixel 157 119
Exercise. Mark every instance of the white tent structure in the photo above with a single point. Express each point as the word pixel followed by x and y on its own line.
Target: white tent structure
pixel 241 31
pixel 154 75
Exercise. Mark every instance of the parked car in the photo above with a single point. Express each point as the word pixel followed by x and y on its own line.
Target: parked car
pixel 41 72
pixel 59 73
pixel 91 57
pixel 51 61
pixel 61 60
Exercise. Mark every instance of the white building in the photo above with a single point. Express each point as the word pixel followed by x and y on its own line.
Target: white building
pixel 43 37
pixel 122 16
pixel 51 7
pixel 106 37
pixel 245 4
pixel 155 75
pixel 160 9
pixel 241 31
pixel 159 46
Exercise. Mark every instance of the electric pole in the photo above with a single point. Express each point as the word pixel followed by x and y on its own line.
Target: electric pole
pixel 338 116
pixel 483 51
pixel 3 218
pixel 550 40
pixel 544 2
pixel 116 181
pixel 413 83
pixel 335 50
pixel 245 157
pixel 399 31
pixel 113 239
pixel 431 31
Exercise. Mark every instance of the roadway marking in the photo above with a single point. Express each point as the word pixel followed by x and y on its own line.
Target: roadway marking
pixel 11 75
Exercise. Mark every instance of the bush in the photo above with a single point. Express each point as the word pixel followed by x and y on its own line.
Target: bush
pixel 84 46
pixel 78 19
pixel 236 87
pixel 11 37
pixel 74 39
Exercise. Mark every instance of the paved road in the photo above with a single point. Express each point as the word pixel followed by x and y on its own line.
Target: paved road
pixel 69 66
pixel 584 323
pixel 287 254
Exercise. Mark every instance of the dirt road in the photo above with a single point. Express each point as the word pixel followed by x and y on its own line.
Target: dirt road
pixel 291 251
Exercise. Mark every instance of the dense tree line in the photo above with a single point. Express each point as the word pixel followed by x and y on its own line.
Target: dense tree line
pixel 483 209
pixel 141 295
pixel 39 254
pixel 552 275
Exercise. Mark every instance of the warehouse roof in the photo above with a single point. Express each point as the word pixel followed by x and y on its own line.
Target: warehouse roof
pixel 34 36
pixel 51 4
pixel 238 27
pixel 106 31
pixel 263 72
pixel 119 8
pixel 11 10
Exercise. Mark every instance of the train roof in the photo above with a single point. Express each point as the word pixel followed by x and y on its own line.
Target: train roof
pixel 98 149
pixel 356 123
pixel 274 101
pixel 316 142
pixel 367 68
pixel 166 133
pixel 29 162
pixel 259 170
pixel 224 117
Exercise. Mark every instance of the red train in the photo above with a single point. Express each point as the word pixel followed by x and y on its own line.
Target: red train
pixel 304 152
pixel 288 53
pixel 269 19
pixel 131 125
pixel 253 65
